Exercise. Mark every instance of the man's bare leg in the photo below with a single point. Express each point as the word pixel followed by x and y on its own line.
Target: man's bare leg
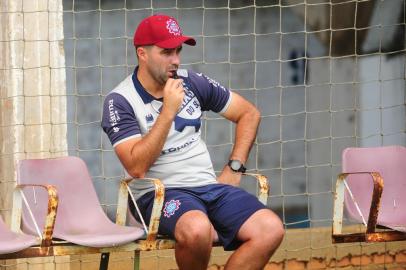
pixel 193 234
pixel 262 234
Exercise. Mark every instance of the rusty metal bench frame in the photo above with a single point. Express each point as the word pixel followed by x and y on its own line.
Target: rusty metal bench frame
pixel 47 246
pixel 371 234
pixel 152 242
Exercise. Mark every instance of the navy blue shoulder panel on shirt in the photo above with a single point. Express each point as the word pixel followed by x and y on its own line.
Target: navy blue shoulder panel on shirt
pixel 211 94
pixel 118 120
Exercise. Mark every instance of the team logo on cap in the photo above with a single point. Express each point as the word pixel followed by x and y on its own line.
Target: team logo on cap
pixel 173 27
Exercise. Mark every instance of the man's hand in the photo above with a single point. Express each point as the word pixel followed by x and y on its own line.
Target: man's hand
pixel 138 154
pixel 173 96
pixel 229 177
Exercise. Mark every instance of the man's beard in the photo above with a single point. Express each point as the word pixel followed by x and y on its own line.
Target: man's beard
pixel 159 77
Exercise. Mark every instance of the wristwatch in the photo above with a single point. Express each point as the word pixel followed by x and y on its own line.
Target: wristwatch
pixel 236 166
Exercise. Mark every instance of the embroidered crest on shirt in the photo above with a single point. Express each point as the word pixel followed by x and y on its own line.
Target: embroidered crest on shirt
pixel 149 118
pixel 171 207
pixel 173 27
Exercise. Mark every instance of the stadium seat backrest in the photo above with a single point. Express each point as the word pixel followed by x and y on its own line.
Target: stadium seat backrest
pixel 390 162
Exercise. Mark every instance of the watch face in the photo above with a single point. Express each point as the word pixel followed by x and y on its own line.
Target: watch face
pixel 235 165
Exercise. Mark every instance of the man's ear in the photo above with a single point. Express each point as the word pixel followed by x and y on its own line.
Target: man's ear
pixel 141 53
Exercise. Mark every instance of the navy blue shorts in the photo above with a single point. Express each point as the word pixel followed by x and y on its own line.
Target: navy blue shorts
pixel 227 207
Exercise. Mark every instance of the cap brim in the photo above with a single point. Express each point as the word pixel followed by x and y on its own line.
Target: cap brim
pixel 176 42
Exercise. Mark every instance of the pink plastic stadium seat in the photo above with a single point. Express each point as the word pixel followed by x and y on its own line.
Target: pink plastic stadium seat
pixel 390 162
pixel 80 219
pixel 376 180
pixel 12 242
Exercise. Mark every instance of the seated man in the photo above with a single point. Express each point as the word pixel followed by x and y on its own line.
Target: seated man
pixel 153 120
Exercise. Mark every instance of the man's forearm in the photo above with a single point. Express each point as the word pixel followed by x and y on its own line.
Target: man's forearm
pixel 245 133
pixel 145 152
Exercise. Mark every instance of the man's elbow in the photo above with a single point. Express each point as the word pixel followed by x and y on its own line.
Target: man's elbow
pixel 136 173
pixel 255 115
pixel 251 115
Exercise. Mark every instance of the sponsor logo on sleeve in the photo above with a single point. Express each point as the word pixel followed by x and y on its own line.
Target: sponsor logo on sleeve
pixel 114 117
pixel 212 82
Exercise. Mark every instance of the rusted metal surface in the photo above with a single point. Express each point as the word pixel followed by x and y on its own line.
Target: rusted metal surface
pixel 51 211
pixel 376 201
pixel 39 251
pixel 263 186
pixel 51 215
pixel 146 245
pixel 370 235
pixel 386 236
pixel 122 206
pixel 158 244
pixel 55 248
pixel 156 208
pixel 64 248
pixel 349 238
pixel 166 244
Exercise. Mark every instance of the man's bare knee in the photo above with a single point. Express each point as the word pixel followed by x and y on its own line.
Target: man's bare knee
pixel 273 230
pixel 263 226
pixel 193 240
pixel 193 228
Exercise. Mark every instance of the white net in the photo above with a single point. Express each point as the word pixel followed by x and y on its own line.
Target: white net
pixel 325 75
pixel 322 82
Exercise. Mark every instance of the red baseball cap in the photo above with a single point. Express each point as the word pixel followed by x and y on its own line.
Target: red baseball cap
pixel 162 31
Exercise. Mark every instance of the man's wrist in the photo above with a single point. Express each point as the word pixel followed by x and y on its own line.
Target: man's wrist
pixel 236 166
pixel 168 113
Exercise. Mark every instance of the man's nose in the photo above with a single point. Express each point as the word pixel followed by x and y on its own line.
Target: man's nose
pixel 175 59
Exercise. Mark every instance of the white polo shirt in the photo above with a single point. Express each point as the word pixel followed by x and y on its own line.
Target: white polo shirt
pixel 129 111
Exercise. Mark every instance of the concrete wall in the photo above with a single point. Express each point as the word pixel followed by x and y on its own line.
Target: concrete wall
pixel 33 101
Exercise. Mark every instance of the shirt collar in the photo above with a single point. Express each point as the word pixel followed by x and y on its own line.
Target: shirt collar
pixel 145 96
